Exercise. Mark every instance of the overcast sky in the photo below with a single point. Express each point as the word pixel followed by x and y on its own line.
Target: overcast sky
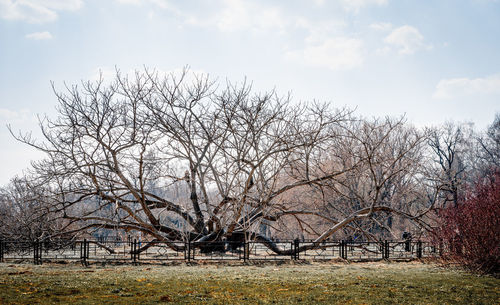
pixel 433 61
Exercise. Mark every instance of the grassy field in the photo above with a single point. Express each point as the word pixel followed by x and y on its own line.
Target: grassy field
pixel 359 283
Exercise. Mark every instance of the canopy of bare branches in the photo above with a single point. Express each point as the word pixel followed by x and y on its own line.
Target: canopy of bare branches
pixel 180 157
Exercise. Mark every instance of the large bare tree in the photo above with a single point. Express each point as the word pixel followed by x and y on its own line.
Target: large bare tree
pixel 179 157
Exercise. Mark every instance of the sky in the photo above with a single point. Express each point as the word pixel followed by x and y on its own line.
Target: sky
pixel 432 61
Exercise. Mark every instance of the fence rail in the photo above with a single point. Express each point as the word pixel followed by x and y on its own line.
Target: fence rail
pixel 135 251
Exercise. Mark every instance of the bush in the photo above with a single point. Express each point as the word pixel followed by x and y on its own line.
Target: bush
pixel 470 232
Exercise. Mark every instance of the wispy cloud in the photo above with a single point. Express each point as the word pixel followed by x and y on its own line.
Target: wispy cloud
pixel 36 11
pixel 381 26
pixel 8 116
pixel 228 15
pixel 356 5
pixel 325 43
pixel 338 53
pixel 458 87
pixel 235 15
pixel 407 40
pixel 39 36
pixel 135 2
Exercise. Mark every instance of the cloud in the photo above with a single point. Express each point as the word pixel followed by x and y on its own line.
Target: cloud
pixel 406 39
pixel 235 15
pixel 338 53
pixel 8 116
pixel 457 87
pixel 59 5
pixel 36 11
pixel 326 45
pixel 162 4
pixel 135 2
pixel 356 5
pixel 39 36
pixel 229 16
pixel 381 26
pixel 319 31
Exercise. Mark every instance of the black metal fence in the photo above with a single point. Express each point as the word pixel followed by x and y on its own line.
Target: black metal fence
pixel 136 251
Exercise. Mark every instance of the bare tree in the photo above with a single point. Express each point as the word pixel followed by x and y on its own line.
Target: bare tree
pixel 386 180
pixel 490 145
pixel 449 145
pixel 178 158
pixel 24 214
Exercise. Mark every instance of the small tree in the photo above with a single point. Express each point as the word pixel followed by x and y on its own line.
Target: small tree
pixel 470 232
pixel 24 212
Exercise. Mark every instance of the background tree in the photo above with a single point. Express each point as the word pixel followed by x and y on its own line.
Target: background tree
pixel 24 214
pixel 450 145
pixel 384 185
pixel 490 146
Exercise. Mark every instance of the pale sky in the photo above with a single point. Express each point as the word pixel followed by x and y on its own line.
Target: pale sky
pixel 433 61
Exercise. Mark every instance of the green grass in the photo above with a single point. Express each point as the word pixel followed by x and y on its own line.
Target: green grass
pixel 359 283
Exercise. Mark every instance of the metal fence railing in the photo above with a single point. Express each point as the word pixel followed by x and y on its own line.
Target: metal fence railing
pixel 134 251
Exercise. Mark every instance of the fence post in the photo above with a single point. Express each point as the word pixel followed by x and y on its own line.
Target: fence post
pixel 137 250
pixel 187 254
pixel 88 252
pixel 296 243
pixel 246 252
pixel 386 250
pixel 2 249
pixel 84 252
pixel 134 252
pixel 419 249
pixel 40 252
pixel 408 245
pixel 343 249
pixel 37 252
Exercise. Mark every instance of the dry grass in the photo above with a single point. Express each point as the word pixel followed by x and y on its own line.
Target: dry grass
pixel 360 283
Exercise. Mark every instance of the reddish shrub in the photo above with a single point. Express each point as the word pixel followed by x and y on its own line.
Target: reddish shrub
pixel 470 232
